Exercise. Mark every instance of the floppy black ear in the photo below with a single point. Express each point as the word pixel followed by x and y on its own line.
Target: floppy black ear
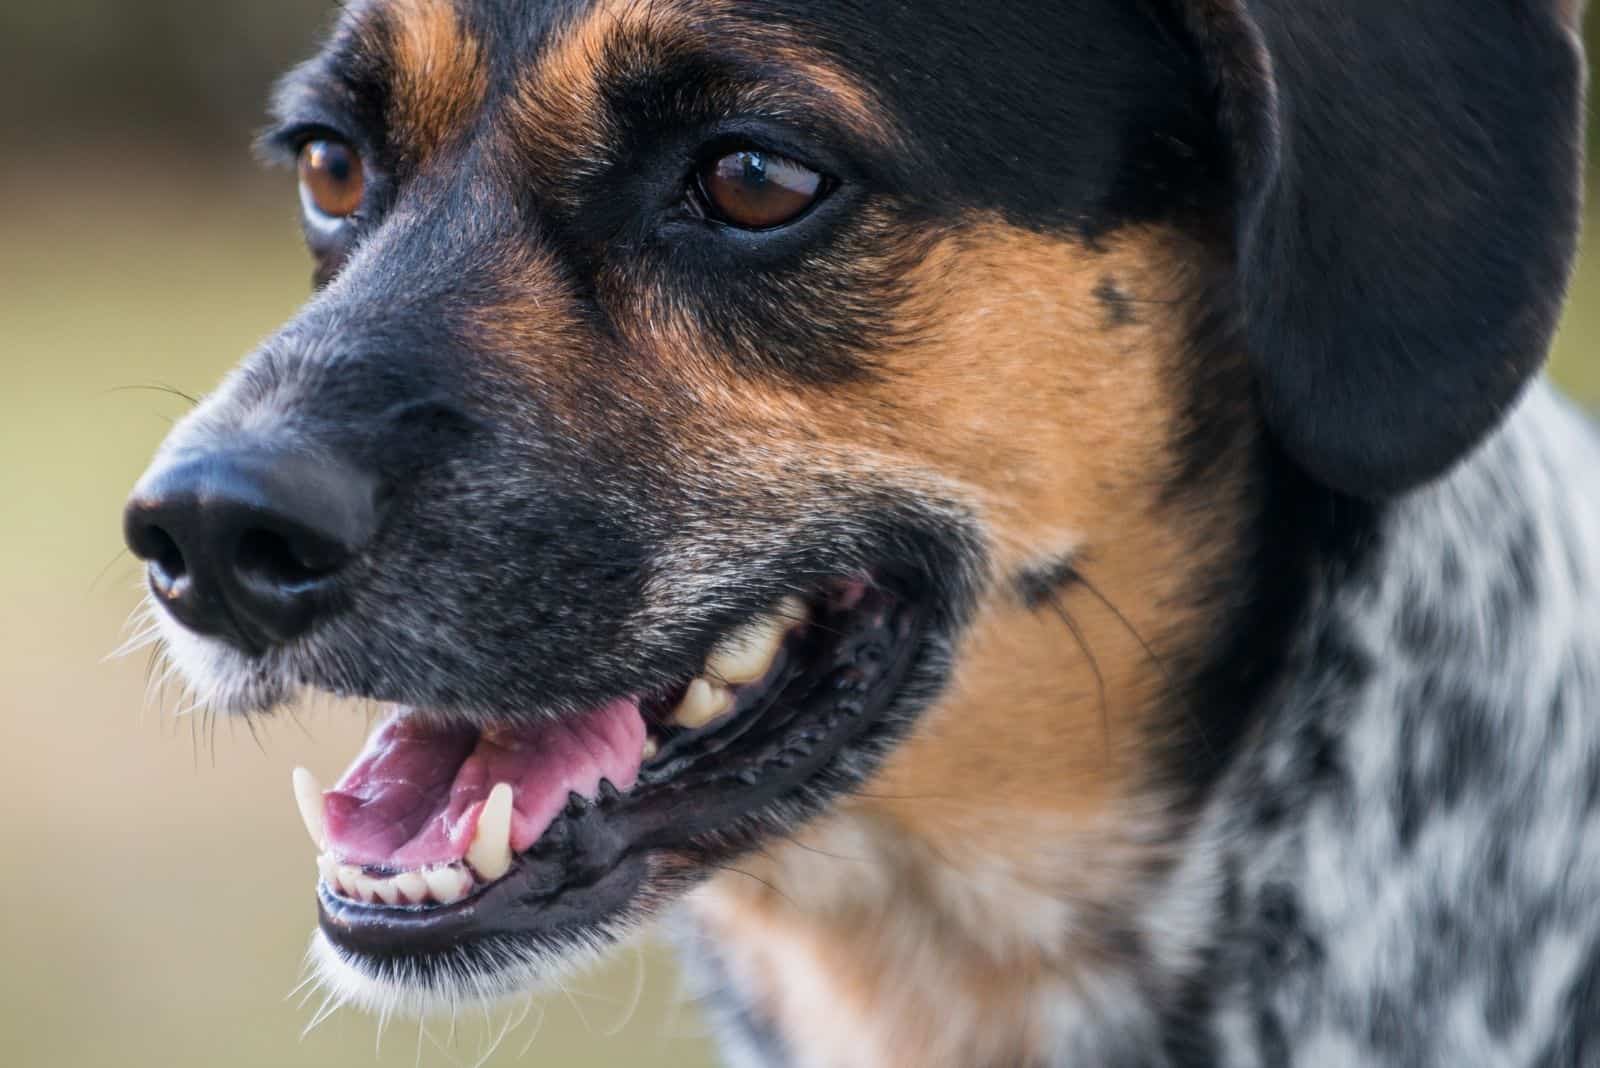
pixel 1406 181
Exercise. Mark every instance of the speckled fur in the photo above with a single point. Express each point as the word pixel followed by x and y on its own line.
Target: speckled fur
pixel 1402 865
pixel 1404 868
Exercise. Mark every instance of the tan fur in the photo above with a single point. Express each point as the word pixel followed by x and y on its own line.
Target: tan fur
pixel 440 80
pixel 558 114
pixel 534 320
pixel 970 871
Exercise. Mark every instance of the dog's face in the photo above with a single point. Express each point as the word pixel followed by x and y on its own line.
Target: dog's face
pixel 709 408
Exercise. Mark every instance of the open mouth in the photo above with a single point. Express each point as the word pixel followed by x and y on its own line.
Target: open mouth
pixel 442 836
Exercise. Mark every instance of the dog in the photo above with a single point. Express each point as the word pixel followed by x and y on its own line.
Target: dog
pixel 1030 533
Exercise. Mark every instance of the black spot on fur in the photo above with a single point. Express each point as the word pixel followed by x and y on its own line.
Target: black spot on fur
pixel 1270 1037
pixel 1037 586
pixel 1523 558
pixel 1288 943
pixel 1188 1040
pixel 1591 783
pixel 1345 665
pixel 1505 1002
pixel 1310 764
pixel 1449 748
pixel 1315 768
pixel 1118 305
pixel 1421 629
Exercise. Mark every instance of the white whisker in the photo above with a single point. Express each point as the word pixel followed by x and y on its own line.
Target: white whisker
pixel 301 985
pixel 330 1005
pixel 505 1029
pixel 538 1029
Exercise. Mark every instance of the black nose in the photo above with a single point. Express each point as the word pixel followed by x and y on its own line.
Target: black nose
pixel 246 545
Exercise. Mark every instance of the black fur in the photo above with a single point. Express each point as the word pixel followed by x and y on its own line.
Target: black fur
pixel 1406 185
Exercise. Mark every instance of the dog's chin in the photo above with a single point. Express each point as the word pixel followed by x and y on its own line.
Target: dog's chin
pixel 469 862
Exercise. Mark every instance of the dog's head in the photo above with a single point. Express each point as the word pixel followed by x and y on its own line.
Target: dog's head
pixel 709 406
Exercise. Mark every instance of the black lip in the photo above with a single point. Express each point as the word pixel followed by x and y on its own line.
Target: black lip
pixel 514 908
pixel 595 861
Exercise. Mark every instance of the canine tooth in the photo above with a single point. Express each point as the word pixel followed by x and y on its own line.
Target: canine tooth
pixel 308 796
pixel 412 887
pixel 651 747
pixel 704 702
pixel 746 654
pixel 490 851
pixel 328 869
pixel 447 885
pixel 350 881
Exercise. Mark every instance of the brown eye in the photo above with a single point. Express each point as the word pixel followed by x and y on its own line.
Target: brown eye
pixel 756 190
pixel 331 180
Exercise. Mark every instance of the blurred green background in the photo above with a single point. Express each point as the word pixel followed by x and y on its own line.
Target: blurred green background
pixel 155 885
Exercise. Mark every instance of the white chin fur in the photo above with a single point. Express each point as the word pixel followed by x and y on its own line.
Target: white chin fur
pixel 513 974
pixel 217 675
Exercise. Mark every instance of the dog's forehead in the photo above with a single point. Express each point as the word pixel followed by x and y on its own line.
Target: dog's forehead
pixel 437 64
pixel 513 35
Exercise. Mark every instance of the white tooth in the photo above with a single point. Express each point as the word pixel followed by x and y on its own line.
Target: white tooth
pixel 350 881
pixel 490 851
pixel 651 747
pixel 704 702
pixel 447 885
pixel 387 891
pixel 746 654
pixel 367 888
pixel 412 886
pixel 328 869
pixel 308 795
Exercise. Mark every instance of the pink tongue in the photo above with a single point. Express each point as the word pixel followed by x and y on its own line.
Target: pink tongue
pixel 412 798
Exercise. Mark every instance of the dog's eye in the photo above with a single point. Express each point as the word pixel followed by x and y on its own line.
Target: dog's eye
pixel 332 183
pixel 757 190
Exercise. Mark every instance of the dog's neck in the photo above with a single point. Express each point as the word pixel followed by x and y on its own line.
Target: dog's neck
pixel 949 910
pixel 915 955
pixel 926 924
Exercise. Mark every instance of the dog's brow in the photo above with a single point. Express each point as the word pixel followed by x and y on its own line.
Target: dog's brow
pixel 411 67
pixel 438 78
pixel 340 88
pixel 764 67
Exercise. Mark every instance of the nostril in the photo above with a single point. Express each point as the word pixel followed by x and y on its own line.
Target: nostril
pixel 168 556
pixel 249 545
pixel 161 551
pixel 268 559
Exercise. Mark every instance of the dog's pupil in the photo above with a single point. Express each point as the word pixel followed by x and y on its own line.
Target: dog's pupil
pixel 755 168
pixel 756 190
pixel 745 172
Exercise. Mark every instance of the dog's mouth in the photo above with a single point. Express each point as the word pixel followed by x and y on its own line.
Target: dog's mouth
pixel 444 838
